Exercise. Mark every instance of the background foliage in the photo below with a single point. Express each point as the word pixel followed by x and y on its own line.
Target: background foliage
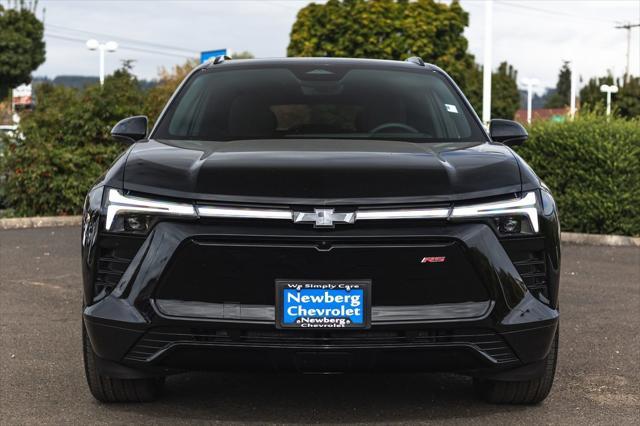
pixel 562 95
pixel 22 47
pixel 592 166
pixel 396 29
pixel 67 144
pixel 505 98
pixel 626 102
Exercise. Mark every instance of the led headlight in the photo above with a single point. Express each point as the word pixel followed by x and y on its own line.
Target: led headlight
pixel 507 212
pixel 141 210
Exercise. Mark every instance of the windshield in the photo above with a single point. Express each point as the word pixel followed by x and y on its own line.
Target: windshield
pixel 319 101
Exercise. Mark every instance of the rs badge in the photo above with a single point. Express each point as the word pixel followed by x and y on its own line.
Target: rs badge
pixel 433 259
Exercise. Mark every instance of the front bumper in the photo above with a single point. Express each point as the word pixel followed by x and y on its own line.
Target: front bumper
pixel 163 316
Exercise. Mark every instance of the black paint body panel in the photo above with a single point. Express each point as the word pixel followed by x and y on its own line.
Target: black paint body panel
pixel 321 172
pixel 514 315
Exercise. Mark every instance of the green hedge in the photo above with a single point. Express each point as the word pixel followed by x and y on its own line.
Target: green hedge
pixel 593 168
pixel 53 180
pixel 66 145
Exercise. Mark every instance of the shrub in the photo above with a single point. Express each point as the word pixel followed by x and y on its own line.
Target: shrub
pixel 593 168
pixel 66 145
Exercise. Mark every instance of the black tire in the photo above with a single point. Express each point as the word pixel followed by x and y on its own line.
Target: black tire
pixel 109 389
pixel 524 392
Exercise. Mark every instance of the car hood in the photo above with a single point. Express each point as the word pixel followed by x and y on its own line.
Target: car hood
pixel 321 172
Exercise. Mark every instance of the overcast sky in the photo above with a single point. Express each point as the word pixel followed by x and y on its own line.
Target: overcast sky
pixel 534 35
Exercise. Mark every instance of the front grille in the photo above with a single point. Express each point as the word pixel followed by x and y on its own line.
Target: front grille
pixel 529 258
pixel 159 339
pixel 245 272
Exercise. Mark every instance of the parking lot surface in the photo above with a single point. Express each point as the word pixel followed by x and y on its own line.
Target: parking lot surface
pixel 42 379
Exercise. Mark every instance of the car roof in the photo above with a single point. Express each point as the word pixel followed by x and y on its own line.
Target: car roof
pixel 270 62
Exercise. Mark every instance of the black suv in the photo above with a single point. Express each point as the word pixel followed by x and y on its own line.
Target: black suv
pixel 320 215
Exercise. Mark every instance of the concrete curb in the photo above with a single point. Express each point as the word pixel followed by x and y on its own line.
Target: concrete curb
pixel 567 237
pixel 600 240
pixel 39 222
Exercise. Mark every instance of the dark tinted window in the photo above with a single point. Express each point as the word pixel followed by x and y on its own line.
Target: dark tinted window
pixel 329 101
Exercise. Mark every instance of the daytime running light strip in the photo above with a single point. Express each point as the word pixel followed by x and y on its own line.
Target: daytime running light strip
pixel 239 213
pixel 525 205
pixel 119 203
pixel 403 214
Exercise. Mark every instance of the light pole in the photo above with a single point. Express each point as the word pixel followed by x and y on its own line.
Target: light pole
pixel 486 73
pixel 627 27
pixel 609 90
pixel 574 90
pixel 530 82
pixel 110 46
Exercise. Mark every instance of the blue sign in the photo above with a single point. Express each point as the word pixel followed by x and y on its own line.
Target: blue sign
pixel 205 56
pixel 323 307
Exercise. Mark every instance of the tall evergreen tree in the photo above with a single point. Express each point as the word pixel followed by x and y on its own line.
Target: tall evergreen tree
pixel 562 97
pixel 626 103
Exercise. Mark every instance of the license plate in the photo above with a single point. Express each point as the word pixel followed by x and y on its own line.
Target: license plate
pixel 323 304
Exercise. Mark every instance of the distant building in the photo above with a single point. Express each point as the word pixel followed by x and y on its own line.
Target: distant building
pixel 553 114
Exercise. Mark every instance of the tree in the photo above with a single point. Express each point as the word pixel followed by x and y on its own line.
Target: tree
pixel 22 47
pixel 398 29
pixel 384 29
pixel 505 97
pixel 625 103
pixel 562 96
pixel 628 104
pixel 245 54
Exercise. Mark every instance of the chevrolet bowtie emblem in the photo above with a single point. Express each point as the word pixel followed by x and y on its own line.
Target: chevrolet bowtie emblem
pixel 323 218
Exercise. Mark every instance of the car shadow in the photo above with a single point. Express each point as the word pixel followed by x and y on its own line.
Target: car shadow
pixel 297 398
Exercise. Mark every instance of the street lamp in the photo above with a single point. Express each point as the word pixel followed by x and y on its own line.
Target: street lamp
pixel 530 82
pixel 574 89
pixel 609 90
pixel 110 46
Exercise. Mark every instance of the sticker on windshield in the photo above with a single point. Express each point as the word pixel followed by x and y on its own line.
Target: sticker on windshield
pixel 451 108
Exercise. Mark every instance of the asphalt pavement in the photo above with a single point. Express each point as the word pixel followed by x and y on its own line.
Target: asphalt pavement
pixel 42 379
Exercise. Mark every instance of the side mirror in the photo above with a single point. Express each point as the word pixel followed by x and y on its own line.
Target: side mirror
pixel 130 129
pixel 510 133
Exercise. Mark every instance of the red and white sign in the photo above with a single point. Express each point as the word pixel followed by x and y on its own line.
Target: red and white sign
pixel 22 96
